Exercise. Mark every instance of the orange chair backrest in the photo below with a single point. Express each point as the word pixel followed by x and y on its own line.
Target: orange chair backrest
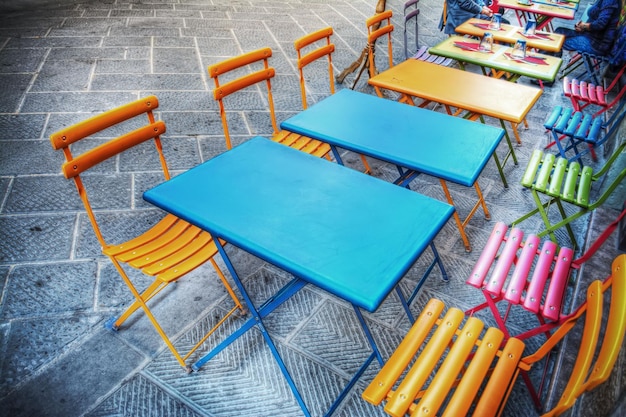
pixel 377 26
pixel 305 58
pixel 259 58
pixel 76 165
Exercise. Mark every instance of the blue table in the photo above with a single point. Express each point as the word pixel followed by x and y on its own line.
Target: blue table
pixel 414 139
pixel 350 234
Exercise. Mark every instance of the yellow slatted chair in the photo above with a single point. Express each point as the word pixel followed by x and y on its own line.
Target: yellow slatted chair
pixel 257 62
pixel 309 49
pixel 169 249
pixel 444 362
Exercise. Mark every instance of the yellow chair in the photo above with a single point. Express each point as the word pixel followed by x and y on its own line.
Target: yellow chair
pixel 309 49
pixel 449 364
pixel 169 249
pixel 261 73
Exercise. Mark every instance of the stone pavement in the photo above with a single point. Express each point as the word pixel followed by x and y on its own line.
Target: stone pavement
pixel 60 62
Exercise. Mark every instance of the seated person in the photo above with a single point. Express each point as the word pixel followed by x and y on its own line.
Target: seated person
pixel 597 35
pixel 458 11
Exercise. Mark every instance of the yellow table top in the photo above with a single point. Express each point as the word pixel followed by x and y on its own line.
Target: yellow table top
pixel 470 91
pixel 550 10
pixel 510 34
pixel 498 59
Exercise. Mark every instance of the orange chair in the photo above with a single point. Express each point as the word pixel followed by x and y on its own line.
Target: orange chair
pixel 379 26
pixel 443 363
pixel 258 62
pixel 309 49
pixel 165 252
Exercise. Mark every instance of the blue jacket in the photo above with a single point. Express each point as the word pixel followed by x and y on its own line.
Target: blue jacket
pixel 458 11
pixel 603 17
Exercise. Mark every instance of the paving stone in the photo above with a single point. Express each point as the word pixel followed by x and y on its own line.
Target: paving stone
pixel 31 194
pixel 56 76
pixel 175 60
pixel 127 41
pixel 90 102
pixel 142 397
pixel 220 47
pixel 27 60
pixel 139 31
pixel 131 66
pixel 32 342
pixel 35 291
pixel 35 238
pixel 194 124
pixel 21 126
pixel 14 86
pixel 77 380
pixel 107 82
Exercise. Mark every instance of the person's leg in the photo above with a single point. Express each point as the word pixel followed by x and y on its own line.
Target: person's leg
pixel 578 43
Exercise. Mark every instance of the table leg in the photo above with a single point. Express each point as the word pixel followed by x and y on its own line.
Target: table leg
pixel 256 320
pixel 508 141
pixel 461 224
pixel 514 126
pixel 368 334
pixel 543 21
pixel 509 154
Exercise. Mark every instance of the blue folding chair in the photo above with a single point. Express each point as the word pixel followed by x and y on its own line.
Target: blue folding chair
pixel 571 128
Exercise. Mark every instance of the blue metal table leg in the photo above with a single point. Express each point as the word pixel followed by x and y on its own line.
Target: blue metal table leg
pixel 336 154
pixel 256 320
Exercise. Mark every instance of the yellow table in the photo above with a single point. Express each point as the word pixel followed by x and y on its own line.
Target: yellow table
pixel 542 12
pixel 509 34
pixel 499 60
pixel 464 90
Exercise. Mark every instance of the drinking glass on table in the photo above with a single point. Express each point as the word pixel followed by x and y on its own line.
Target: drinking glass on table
pixel 531 25
pixel 519 49
pixel 496 21
pixel 486 42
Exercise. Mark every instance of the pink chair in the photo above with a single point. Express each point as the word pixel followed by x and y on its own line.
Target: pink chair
pixel 583 94
pixel 527 274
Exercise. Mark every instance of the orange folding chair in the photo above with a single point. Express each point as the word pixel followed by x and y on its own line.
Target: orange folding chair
pixel 311 48
pixel 450 365
pixel 166 251
pixel 228 79
pixel 379 26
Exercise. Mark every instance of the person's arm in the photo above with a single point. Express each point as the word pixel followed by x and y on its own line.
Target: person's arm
pixel 607 9
pixel 472 6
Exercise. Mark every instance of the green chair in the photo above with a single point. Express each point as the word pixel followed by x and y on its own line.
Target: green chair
pixel 562 181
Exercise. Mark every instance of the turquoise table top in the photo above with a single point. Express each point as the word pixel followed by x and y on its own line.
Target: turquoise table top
pixel 446 147
pixel 349 233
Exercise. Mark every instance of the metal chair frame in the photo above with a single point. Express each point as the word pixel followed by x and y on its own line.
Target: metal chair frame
pixel 168 250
